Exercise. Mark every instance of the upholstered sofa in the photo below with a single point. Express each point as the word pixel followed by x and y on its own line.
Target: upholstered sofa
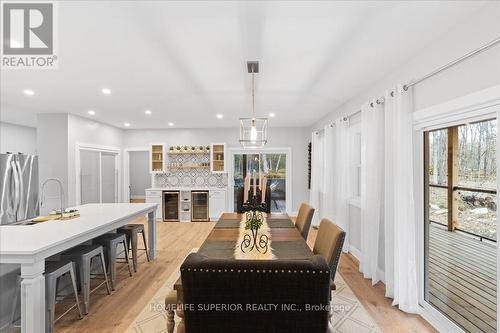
pixel 255 295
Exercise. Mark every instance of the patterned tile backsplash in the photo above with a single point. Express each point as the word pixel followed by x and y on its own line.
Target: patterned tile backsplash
pixel 197 177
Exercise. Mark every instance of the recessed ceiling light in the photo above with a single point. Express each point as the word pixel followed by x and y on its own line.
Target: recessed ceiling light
pixel 220 116
pixel 29 92
pixel 91 112
pixel 126 124
pixel 148 112
pixel 272 115
pixel 106 91
pixel 170 124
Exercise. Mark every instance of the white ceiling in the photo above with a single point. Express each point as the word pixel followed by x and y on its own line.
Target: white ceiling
pixel 186 61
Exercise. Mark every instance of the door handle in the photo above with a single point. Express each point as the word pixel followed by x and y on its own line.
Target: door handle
pixel 21 183
pixel 16 187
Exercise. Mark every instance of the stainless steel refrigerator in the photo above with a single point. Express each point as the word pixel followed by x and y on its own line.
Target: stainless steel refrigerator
pixel 19 187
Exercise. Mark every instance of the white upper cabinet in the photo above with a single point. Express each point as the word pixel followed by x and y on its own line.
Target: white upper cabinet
pixel 157 162
pixel 218 157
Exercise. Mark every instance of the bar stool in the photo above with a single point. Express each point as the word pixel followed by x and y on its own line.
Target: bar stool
pixel 82 255
pixel 132 231
pixel 53 271
pixel 110 243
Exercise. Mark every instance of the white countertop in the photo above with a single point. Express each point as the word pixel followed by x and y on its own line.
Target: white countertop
pixel 36 239
pixel 193 188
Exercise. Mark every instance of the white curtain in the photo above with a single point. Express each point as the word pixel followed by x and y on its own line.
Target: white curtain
pixel 343 189
pixel 372 187
pixel 322 194
pixel 399 207
pixel 328 200
pixel 317 164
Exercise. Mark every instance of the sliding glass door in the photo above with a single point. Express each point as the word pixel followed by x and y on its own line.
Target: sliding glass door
pixel 271 164
pixel 98 177
pixel 460 224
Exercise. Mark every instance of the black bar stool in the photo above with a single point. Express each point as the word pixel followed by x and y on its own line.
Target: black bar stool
pixel 132 231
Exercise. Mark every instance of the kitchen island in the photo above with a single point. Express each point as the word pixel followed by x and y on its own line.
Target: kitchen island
pixel 30 245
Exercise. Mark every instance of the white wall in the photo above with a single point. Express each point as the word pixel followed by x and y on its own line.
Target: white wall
pixel 82 130
pixel 140 178
pixel 474 74
pixel 296 138
pixel 52 148
pixel 17 138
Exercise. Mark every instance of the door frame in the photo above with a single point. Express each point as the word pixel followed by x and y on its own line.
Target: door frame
pixel 126 170
pixel 101 149
pixel 268 150
pixel 480 105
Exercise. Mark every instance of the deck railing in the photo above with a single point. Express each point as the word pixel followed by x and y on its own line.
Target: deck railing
pixel 468 189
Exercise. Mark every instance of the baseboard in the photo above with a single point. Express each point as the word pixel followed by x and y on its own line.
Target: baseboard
pixel 355 252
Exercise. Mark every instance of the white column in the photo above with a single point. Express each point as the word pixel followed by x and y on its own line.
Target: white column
pixel 33 297
pixel 152 233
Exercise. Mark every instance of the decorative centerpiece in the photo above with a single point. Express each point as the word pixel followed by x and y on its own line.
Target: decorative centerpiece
pixel 254 219
pixel 259 242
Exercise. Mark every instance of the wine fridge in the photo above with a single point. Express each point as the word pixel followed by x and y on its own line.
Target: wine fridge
pixel 171 205
pixel 199 206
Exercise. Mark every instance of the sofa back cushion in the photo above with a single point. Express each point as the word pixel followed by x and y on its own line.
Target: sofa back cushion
pixel 255 295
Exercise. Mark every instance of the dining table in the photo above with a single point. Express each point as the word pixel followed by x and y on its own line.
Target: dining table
pixel 223 242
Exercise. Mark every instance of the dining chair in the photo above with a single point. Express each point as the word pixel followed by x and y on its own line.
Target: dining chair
pixel 304 218
pixel 329 243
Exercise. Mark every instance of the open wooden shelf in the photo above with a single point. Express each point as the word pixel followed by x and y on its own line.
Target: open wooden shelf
pixel 188 152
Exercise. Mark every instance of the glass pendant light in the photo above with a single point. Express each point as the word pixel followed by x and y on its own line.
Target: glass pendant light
pixel 253 131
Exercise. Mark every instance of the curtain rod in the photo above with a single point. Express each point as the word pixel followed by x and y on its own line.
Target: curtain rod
pixel 440 69
pixel 454 62
pixel 331 125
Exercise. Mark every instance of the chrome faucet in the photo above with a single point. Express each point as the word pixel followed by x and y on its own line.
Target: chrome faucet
pixel 61 193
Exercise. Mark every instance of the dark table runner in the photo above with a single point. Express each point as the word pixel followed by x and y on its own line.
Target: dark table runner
pixel 287 242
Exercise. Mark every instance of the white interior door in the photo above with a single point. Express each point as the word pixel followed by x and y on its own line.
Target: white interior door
pixel 109 183
pixel 90 176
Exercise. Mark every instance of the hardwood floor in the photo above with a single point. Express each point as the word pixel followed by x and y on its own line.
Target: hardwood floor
pixel 175 240
pixel 388 317
pixel 115 312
